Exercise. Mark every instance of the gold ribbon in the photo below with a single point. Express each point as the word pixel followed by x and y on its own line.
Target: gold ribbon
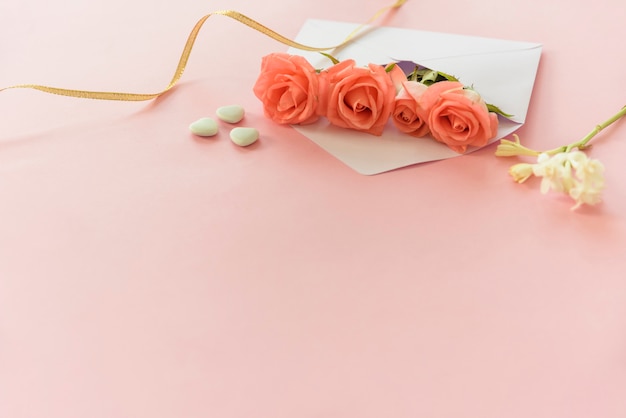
pixel 182 63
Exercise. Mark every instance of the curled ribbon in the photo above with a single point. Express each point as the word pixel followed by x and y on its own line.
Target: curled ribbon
pixel 182 63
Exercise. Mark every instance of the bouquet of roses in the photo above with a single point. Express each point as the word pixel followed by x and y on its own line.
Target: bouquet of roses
pixel 421 102
pixel 364 98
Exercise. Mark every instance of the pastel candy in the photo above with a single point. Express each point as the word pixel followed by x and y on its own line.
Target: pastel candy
pixel 204 127
pixel 230 114
pixel 244 136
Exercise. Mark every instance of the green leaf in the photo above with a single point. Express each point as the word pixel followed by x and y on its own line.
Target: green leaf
pixel 413 75
pixel 447 76
pixel 331 58
pixel 429 77
pixel 497 110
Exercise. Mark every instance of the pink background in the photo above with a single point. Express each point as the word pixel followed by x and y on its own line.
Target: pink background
pixel 145 272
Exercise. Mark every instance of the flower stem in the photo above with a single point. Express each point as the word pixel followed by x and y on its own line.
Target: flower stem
pixel 582 144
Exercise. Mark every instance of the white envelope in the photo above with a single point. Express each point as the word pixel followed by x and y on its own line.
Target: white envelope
pixel 502 72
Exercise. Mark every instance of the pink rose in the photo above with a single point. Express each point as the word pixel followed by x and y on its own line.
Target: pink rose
pixel 288 86
pixel 408 114
pixel 359 98
pixel 398 78
pixel 458 117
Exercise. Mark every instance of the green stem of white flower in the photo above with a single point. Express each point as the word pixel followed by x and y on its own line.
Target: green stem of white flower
pixel 582 144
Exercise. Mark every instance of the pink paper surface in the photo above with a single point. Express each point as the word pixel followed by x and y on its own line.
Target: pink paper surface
pixel 145 272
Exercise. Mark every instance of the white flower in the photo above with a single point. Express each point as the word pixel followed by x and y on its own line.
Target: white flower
pixel 508 148
pixel 521 172
pixel 555 172
pixel 590 176
pixel 571 172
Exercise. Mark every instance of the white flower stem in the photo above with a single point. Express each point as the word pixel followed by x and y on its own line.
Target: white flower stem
pixel 582 144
